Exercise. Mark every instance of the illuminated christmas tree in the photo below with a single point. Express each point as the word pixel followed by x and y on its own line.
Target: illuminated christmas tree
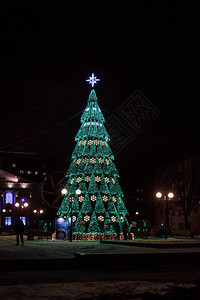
pixel 94 198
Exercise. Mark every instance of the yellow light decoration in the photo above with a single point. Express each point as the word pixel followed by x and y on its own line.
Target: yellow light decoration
pixel 101 160
pixel 90 142
pixel 84 142
pixel 85 160
pixel 122 219
pixel 113 218
pixel 105 198
pixel 113 180
pixel 97 179
pixel 79 143
pixel 93 198
pixel 71 180
pixel 71 198
pixel 101 218
pixel 93 160
pixel 114 199
pixel 107 161
pixel 78 179
pixel 87 218
pixel 102 143
pixel 96 142
pixel 107 180
pixel 78 161
pixel 80 199
pixel 73 218
pixel 87 179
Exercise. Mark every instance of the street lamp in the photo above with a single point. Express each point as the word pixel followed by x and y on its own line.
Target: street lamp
pixel 64 191
pixel 159 195
pixel 170 195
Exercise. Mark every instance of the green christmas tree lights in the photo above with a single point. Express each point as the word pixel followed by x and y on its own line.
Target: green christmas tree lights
pixel 93 172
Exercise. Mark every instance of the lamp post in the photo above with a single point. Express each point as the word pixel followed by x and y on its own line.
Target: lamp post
pixel 21 206
pixel 64 192
pixel 166 198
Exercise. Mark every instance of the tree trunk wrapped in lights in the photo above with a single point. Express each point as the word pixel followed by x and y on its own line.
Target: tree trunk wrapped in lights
pixel 93 172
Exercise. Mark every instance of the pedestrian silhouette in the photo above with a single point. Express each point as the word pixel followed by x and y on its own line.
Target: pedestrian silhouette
pixel 19 230
pixel 118 230
pixel 125 230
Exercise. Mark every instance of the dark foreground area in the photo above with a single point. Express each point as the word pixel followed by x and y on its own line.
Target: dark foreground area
pixel 51 270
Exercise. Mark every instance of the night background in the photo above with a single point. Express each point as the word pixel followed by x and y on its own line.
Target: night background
pixel 147 57
pixel 49 50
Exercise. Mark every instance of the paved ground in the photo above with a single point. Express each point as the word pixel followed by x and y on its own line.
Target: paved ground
pixel 80 282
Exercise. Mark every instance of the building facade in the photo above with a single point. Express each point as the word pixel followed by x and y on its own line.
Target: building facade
pixel 21 177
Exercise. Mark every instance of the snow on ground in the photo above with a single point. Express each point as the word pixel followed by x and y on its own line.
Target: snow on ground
pixel 63 249
pixel 100 290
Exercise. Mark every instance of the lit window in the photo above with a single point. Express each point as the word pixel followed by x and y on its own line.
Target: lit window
pixel 8 198
pixel 23 220
pixel 8 221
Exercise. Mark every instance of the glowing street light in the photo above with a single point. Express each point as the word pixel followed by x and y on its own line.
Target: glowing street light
pixel 158 195
pixel 170 195
pixel 17 204
pixel 35 211
pixel 25 204
pixel 41 211
pixel 64 191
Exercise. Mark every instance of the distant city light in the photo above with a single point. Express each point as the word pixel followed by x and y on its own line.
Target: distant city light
pixel 35 211
pixel 4 210
pixel 171 195
pixel 25 204
pixel 17 204
pixel 41 211
pixel 158 195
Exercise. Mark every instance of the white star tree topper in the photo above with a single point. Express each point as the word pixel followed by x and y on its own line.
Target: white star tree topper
pixel 93 80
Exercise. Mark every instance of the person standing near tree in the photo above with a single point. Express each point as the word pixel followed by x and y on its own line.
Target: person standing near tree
pixel 125 230
pixel 19 230
pixel 118 230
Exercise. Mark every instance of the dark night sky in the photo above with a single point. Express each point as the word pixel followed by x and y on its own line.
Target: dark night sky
pixel 47 50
